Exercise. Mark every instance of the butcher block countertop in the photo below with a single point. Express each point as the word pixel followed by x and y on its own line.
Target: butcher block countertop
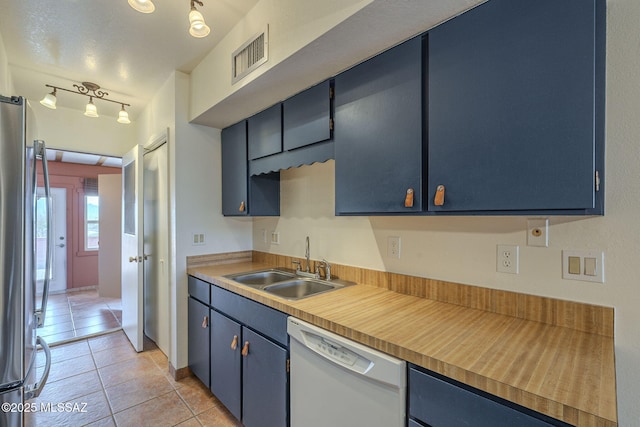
pixel 559 371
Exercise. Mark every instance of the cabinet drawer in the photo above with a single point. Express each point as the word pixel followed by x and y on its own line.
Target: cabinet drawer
pixel 200 290
pixel 440 403
pixel 267 321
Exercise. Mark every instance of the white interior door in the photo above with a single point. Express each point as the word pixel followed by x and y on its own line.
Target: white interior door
pixel 132 246
pixel 156 246
pixel 58 279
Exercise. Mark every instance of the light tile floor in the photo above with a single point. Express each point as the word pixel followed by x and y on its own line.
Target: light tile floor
pixel 122 388
pixel 77 314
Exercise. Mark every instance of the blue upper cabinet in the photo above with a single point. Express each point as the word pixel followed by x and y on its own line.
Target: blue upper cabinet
pixel 243 194
pixel 515 108
pixel 235 196
pixel 378 133
pixel 306 117
pixel 264 132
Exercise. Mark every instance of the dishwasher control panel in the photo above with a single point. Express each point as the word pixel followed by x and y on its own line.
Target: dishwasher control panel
pixel 336 352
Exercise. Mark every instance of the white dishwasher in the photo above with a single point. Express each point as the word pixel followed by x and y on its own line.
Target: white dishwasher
pixel 340 383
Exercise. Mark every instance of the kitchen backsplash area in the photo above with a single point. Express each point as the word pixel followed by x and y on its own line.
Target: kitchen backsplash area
pixel 455 249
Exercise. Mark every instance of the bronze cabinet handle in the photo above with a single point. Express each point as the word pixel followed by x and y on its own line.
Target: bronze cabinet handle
pixel 438 200
pixel 234 343
pixel 205 322
pixel 408 199
pixel 242 206
pixel 245 349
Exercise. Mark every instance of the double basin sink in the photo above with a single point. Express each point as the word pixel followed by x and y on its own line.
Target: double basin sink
pixel 286 283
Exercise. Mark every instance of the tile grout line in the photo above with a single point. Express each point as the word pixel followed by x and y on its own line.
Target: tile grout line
pixel 102 387
pixel 73 324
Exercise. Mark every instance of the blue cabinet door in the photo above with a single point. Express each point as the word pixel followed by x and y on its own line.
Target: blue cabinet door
pixel 514 106
pixel 306 117
pixel 199 340
pixel 234 170
pixel 264 381
pixel 439 402
pixel 378 133
pixel 226 344
pixel 264 132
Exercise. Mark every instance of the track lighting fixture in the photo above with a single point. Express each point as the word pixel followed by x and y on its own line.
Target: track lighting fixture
pixel 91 90
pixel 49 100
pixel 144 6
pixel 91 110
pixel 197 27
pixel 123 116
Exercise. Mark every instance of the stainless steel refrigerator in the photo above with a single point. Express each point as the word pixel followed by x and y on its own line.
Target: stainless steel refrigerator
pixel 20 313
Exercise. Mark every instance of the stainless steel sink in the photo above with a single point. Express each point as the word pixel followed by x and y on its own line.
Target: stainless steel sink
pixel 262 278
pixel 285 283
pixel 299 288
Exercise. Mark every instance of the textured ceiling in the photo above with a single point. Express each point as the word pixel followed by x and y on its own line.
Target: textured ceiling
pixel 129 54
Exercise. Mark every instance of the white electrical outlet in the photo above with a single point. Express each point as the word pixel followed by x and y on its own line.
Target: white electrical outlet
pixel 508 259
pixel 264 235
pixel 538 232
pixel 393 247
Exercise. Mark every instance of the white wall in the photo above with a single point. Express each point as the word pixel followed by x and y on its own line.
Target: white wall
pixel 6 83
pixel 71 130
pixel 110 254
pixel 195 187
pixel 462 249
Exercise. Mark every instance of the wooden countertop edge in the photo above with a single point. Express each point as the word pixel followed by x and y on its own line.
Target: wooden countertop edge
pixel 527 399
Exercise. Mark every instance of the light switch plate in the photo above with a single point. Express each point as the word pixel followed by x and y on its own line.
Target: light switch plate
pixel 587 266
pixel 198 239
pixel 275 238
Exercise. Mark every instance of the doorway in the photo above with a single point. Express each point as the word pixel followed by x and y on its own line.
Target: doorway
pixel 58 275
pixel 156 245
pixel 74 308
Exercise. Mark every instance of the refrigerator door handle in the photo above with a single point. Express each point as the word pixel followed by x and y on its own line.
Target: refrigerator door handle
pixel 40 151
pixel 36 389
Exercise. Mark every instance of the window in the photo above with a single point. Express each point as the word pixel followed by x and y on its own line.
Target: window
pixel 91 223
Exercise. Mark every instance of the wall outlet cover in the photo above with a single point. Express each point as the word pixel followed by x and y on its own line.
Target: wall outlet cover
pixel 508 259
pixel 393 247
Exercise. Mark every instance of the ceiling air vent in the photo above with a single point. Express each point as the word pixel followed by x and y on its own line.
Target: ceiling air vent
pixel 250 56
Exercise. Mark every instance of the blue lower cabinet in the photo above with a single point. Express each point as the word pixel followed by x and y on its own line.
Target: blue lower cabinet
pixel 226 344
pixel 247 357
pixel 199 340
pixel 436 401
pixel 264 382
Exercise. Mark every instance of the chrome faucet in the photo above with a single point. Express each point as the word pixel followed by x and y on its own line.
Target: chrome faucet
pixel 327 269
pixel 306 254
